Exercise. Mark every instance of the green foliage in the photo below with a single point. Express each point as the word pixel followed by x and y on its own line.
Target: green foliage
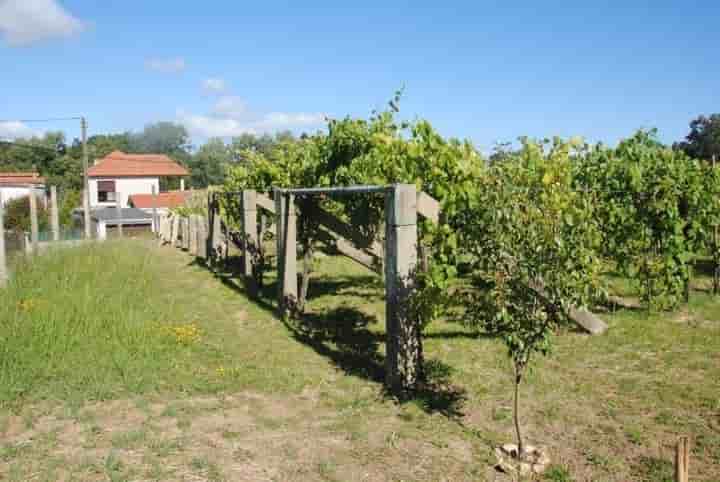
pixel 69 201
pixel 17 215
pixel 377 151
pixel 207 166
pixel 653 205
pixel 197 203
pixel 534 238
pixel 703 141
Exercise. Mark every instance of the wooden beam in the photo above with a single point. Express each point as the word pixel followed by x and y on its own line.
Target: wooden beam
pixel 582 317
pixel 428 207
pixel 265 202
pixel 334 224
pixel 347 249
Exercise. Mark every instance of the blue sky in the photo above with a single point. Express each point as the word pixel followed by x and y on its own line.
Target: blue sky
pixel 485 71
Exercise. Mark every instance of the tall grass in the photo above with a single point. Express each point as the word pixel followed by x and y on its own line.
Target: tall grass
pixel 85 322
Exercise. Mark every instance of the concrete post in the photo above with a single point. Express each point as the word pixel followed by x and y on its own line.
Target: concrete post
pixel 182 184
pixel 186 234
pixel 155 220
pixel 3 256
pixel 286 252
pixel 54 215
pixel 202 238
pixel 194 222
pixel 118 214
pixel 217 235
pixel 250 239
pixel 175 231
pixel 34 234
pixel 403 353
pixel 86 218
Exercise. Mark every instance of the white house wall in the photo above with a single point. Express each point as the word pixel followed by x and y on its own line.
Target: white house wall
pixel 126 186
pixel 9 193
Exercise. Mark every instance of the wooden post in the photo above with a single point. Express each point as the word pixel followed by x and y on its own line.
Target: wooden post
pixel 250 239
pixel 403 352
pixel 54 215
pixel 118 214
pixel 34 235
pixel 286 252
pixel 682 460
pixel 3 256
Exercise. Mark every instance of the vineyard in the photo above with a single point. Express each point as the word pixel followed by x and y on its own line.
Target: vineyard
pixel 522 238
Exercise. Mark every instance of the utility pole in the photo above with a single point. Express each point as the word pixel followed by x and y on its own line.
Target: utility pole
pixel 86 185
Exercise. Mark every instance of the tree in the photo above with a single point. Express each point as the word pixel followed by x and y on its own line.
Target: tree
pixel 162 138
pixel 208 164
pixel 703 141
pixel 534 238
pixel 103 144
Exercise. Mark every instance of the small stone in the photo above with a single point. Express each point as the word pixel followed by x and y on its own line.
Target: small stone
pixel 510 449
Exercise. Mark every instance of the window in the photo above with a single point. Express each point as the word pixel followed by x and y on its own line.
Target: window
pixel 106 191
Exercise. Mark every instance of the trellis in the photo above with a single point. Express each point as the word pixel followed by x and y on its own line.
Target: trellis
pixel 402 204
pixel 209 239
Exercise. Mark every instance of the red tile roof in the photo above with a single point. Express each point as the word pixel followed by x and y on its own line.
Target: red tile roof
pixel 120 164
pixel 170 199
pixel 21 178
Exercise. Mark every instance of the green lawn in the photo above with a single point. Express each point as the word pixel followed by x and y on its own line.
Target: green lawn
pixel 126 361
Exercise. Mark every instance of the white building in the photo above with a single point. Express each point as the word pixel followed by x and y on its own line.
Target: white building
pixel 128 175
pixel 15 185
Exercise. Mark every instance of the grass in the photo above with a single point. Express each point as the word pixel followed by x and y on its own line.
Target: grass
pixel 130 361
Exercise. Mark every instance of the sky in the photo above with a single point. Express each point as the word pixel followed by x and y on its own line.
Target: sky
pixel 486 71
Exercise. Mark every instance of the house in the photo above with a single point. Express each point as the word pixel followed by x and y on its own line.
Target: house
pixel 163 202
pixel 129 174
pixel 15 185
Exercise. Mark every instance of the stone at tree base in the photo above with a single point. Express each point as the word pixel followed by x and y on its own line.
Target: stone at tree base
pixel 533 461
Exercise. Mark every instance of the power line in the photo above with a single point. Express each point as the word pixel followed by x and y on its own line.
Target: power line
pixel 30 146
pixel 49 119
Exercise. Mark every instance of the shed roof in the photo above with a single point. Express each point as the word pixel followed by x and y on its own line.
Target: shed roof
pixel 169 199
pixel 120 164
pixel 21 179
pixel 127 216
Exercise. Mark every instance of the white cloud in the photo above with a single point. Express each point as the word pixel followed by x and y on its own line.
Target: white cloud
pixel 234 123
pixel 230 106
pixel 23 22
pixel 166 66
pixel 285 120
pixel 15 130
pixel 205 126
pixel 214 85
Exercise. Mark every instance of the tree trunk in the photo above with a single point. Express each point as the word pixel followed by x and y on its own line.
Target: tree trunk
pixel 518 377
